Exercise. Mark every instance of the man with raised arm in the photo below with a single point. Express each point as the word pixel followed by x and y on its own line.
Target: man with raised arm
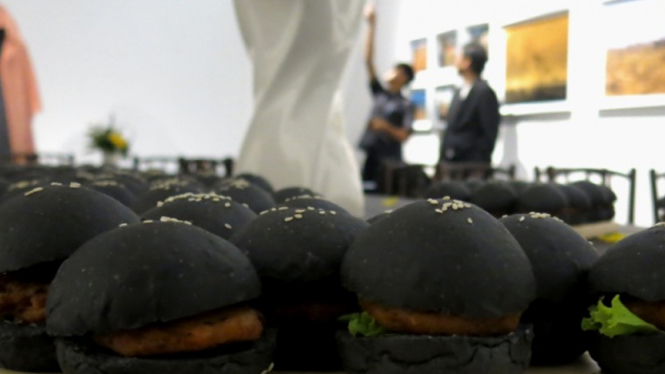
pixel 392 114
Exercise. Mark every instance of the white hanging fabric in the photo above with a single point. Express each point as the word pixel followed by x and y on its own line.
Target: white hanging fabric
pixel 296 138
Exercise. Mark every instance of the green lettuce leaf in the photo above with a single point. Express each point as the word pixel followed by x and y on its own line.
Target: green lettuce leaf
pixel 363 324
pixel 616 320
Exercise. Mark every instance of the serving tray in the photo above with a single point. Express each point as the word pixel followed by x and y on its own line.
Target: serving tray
pixel 585 365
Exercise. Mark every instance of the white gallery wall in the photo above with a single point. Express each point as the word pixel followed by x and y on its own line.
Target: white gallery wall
pixel 176 75
pixel 578 133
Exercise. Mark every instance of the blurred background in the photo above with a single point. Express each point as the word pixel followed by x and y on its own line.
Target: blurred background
pixel 176 78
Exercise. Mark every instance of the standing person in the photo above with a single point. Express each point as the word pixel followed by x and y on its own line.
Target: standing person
pixel 299 49
pixel 19 88
pixel 392 113
pixel 473 119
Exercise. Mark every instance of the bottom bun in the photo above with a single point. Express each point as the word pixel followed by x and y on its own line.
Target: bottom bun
pixel 79 356
pixel 400 354
pixel 27 348
pixel 629 354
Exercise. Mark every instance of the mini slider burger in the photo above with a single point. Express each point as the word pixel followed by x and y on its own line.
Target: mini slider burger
pixel 456 190
pixel 158 297
pixel 244 192
pixel 214 213
pixel 297 254
pixel 38 230
pixel 561 260
pixel 162 190
pixel 442 286
pixel 543 198
pixel 497 198
pixel 258 181
pixel 289 193
pixel 307 201
pixel 628 322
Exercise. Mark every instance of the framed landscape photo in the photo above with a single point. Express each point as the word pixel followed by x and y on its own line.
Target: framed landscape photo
pixel 443 98
pixel 479 34
pixel 419 53
pixel 635 57
pixel 421 121
pixel 537 60
pixel 447 43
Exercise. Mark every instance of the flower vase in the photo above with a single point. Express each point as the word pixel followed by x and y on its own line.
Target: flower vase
pixel 111 159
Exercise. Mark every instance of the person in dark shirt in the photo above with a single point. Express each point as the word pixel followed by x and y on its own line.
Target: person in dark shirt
pixel 473 118
pixel 392 114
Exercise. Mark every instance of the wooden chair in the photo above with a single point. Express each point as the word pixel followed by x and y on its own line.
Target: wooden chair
pixel 471 170
pixel 404 180
pixel 164 163
pixel 658 201
pixel 192 166
pixel 605 177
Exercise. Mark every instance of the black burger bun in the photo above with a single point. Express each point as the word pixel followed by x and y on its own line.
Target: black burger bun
pixel 498 198
pixel 289 193
pixel 114 189
pixel 542 198
pixel 49 223
pixel 302 245
pixel 27 349
pixel 629 354
pixel 214 213
pixel 258 181
pixel 479 269
pixel 78 357
pixel 314 202
pixel 561 260
pixel 145 273
pixel 455 190
pixel 633 267
pixel 242 191
pixel 399 354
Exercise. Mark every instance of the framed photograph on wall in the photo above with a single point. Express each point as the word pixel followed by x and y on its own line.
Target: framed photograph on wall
pixel 421 121
pixel 447 43
pixel 479 34
pixel 419 53
pixel 635 56
pixel 537 60
pixel 443 98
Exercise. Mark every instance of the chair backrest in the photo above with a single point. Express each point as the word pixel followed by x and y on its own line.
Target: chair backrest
pixel 167 164
pixel 655 195
pixel 471 170
pixel 601 176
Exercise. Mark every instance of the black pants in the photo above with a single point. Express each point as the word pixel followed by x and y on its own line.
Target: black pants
pixel 371 167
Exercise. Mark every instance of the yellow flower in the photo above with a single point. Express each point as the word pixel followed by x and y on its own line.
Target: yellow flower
pixel 117 140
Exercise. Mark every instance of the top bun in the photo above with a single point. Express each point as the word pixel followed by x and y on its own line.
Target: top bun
pixel 441 256
pixel 298 245
pixel 49 223
pixel 560 257
pixel 633 266
pixel 146 273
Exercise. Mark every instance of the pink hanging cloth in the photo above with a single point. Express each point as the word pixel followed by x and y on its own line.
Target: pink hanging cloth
pixel 19 87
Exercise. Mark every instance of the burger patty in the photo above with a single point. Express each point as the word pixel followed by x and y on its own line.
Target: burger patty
pixel 652 312
pixel 431 323
pixel 187 335
pixel 24 302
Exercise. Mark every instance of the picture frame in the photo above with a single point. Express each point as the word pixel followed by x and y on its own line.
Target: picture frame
pixel 447 43
pixel 633 76
pixel 419 54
